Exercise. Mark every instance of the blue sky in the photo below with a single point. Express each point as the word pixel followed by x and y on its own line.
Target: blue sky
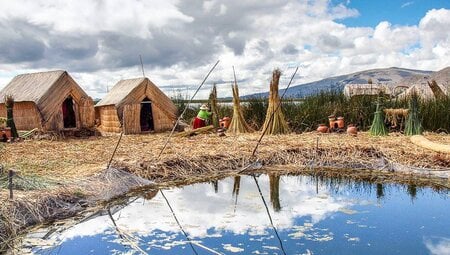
pixel 396 12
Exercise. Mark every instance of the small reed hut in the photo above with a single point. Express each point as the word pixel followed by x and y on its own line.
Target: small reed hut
pixel 351 90
pixel 49 101
pixel 135 106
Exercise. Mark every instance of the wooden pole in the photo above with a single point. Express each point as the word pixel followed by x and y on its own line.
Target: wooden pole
pixel 10 183
pixel 142 66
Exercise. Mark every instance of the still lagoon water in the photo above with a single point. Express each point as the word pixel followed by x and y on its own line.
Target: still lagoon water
pixel 309 215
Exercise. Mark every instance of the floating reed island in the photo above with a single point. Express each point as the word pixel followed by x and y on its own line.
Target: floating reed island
pixel 60 178
pixel 70 174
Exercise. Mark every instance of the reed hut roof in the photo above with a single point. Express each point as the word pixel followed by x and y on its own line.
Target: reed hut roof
pixel 365 89
pixel 134 90
pixel 120 91
pixel 31 87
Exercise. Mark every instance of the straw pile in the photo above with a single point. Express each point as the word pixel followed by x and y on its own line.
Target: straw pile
pixel 238 123
pixel 275 122
pixel 214 106
pixel 394 115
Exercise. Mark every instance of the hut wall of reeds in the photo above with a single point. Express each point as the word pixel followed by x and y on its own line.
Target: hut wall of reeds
pixel 351 90
pixel 125 105
pixel 43 99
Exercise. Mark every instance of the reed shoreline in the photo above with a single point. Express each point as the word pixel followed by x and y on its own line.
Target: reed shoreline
pixel 78 181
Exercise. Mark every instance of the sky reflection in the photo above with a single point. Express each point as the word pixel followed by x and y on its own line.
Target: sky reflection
pixel 228 216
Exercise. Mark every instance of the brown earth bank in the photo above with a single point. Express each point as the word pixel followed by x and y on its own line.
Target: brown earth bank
pixel 60 179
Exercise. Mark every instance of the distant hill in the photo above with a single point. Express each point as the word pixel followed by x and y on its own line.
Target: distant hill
pixel 390 76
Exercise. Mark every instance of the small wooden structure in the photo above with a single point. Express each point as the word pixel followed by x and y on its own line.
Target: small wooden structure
pixel 49 101
pixel 135 106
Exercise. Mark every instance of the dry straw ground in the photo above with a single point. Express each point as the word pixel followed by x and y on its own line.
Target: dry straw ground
pixel 72 159
pixel 75 168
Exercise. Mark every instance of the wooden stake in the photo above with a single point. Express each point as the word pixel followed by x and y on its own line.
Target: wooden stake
pixel 10 183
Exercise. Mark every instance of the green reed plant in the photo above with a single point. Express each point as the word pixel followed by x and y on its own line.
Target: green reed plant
pixel 413 124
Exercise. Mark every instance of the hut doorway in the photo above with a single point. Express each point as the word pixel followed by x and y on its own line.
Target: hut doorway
pixel 146 115
pixel 68 110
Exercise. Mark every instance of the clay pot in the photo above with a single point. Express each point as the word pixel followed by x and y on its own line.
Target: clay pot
pixel 322 128
pixel 331 119
pixel 340 122
pixel 225 122
pixel 7 131
pixel 352 130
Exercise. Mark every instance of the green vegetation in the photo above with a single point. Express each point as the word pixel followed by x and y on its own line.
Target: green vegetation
pixel 306 114
pixel 413 124
pixel 26 182
pixel 378 128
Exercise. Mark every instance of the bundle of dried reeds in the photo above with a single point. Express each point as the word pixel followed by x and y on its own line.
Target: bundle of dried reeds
pixel 394 115
pixel 238 123
pixel 423 142
pixel 214 106
pixel 275 122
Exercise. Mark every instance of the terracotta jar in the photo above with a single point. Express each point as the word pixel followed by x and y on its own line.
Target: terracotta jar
pixel 331 119
pixel 225 122
pixel 7 131
pixel 340 122
pixel 322 128
pixel 352 130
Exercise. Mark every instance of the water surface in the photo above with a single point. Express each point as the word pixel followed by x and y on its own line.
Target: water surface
pixel 228 216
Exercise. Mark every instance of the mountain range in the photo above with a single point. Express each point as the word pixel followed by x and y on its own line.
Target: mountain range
pixel 392 77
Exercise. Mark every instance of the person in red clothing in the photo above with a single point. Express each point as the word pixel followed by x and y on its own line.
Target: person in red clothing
pixel 202 116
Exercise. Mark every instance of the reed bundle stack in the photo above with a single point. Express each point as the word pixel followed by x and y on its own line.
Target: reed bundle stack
pixel 214 106
pixel 238 123
pixel 275 122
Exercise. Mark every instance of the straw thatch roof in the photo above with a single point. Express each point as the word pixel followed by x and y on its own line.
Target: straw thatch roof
pixel 365 89
pixel 31 87
pixel 120 91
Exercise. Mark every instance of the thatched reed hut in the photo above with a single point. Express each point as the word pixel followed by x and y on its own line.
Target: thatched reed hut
pixel 49 101
pixel 351 90
pixel 136 106
pixel 424 89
